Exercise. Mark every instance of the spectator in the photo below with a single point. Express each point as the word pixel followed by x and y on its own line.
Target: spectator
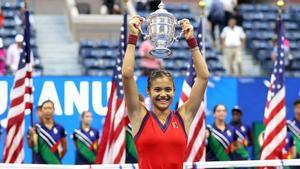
pixel 2 58
pixel 45 131
pixel 85 140
pixel 20 17
pixel 232 41
pixel 216 17
pixel 148 62
pixel 243 133
pixel 229 5
pixel 293 127
pixel 288 57
pixel 13 53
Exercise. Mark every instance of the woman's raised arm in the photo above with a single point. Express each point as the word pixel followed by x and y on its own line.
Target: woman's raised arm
pixel 134 107
pixel 191 106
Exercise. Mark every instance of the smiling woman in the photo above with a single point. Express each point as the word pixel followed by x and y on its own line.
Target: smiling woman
pixel 161 134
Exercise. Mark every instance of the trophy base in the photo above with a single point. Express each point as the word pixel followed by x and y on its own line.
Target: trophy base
pixel 161 52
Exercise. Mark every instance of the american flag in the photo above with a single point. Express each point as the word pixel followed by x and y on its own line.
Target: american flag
pixel 196 137
pixel 275 111
pixel 112 145
pixel 21 102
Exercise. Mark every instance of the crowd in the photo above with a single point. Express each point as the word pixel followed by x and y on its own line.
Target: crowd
pixel 9 57
pixel 225 141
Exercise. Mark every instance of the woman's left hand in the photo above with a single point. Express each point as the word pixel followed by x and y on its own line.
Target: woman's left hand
pixel 187 28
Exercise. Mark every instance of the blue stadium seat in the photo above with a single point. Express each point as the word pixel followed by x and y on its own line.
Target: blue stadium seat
pixel 86 44
pixel 294 45
pixel 295 66
pixel 247 8
pixel 296 55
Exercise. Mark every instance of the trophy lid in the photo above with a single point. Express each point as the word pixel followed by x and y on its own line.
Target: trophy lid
pixel 161 11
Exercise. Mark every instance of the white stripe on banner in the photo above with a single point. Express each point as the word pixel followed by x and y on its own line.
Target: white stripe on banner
pixel 195 121
pixel 107 157
pixel 274 122
pixel 18 92
pixel 119 115
pixel 275 101
pixel 197 144
pixel 117 144
pixel 18 138
pixel 274 143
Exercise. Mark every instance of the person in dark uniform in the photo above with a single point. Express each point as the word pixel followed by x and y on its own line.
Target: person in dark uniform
pixel 243 133
pixel 85 140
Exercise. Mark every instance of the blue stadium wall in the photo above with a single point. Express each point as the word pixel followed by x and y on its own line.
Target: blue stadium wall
pixel 75 94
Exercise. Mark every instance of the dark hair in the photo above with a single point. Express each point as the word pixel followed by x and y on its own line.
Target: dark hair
pixel 159 74
pixel 46 101
pixel 217 105
pixel 296 102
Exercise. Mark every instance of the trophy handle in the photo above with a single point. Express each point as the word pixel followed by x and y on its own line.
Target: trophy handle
pixel 145 36
pixel 181 33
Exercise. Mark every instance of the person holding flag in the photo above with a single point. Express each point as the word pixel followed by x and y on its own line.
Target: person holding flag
pixel 221 137
pixel 85 140
pixel 293 127
pixel 243 133
pixel 161 134
pixel 48 137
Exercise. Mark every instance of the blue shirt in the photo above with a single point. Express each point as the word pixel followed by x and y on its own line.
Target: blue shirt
pixel 89 138
pixel 51 137
pixel 243 133
pixel 225 138
pixel 293 127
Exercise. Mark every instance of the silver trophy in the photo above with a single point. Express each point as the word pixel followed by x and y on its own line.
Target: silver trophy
pixel 161 31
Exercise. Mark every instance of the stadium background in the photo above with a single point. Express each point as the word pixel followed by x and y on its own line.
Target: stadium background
pixel 248 92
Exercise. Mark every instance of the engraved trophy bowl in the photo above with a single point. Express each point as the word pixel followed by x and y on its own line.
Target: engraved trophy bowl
pixel 161 31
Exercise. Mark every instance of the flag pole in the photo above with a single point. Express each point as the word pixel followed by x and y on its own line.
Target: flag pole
pixel 202 19
pixel 26 9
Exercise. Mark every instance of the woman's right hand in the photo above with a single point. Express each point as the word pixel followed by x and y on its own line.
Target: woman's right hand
pixel 33 135
pixel 135 25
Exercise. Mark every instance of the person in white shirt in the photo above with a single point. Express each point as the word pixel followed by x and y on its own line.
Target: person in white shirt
pixel 232 41
pixel 13 53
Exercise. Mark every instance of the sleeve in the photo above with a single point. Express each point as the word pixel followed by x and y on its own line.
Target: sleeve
pixel 97 134
pixel 73 136
pixel 223 34
pixel 235 136
pixel 63 132
pixel 242 33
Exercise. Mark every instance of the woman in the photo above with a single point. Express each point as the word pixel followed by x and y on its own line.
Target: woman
pixel 85 139
pixel 159 144
pixel 48 138
pixel 222 138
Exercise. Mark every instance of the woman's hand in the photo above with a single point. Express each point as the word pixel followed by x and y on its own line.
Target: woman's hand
pixel 187 28
pixel 33 136
pixel 135 25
